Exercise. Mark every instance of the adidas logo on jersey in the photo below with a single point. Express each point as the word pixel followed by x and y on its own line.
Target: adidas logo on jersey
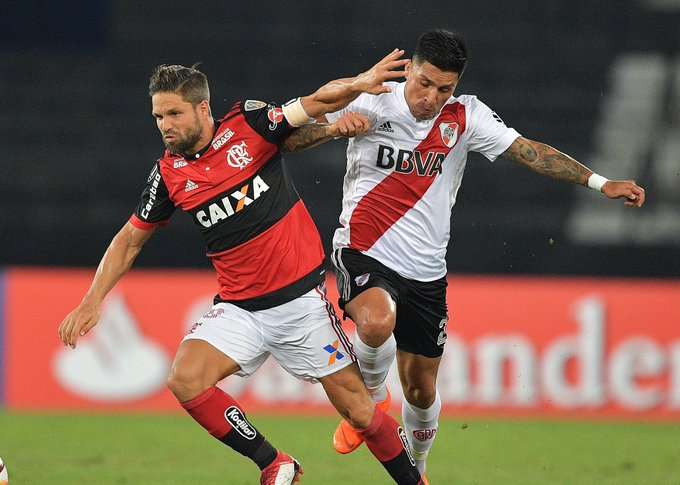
pixel 386 127
pixel 190 186
pixel 179 163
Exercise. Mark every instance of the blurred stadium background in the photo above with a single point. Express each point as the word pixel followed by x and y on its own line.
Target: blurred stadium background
pixel 564 306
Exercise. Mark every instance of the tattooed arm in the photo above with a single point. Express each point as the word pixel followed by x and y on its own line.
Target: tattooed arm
pixel 546 160
pixel 308 136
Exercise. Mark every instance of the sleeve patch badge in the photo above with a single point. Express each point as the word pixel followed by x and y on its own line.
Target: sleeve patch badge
pixel 252 105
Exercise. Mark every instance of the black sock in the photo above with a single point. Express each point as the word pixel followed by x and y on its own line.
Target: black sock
pixel 257 449
pixel 402 470
pixel 223 418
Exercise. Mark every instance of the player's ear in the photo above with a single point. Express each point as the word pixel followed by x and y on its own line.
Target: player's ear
pixel 408 67
pixel 204 106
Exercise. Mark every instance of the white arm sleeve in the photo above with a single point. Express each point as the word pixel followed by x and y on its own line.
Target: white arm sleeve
pixel 488 135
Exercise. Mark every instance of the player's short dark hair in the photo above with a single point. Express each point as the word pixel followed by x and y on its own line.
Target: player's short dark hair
pixel 443 49
pixel 189 82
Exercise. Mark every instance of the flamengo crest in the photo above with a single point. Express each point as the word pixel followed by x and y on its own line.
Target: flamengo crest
pixel 449 133
pixel 238 157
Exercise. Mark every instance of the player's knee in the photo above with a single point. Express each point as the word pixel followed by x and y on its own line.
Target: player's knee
pixel 376 327
pixel 421 396
pixel 185 381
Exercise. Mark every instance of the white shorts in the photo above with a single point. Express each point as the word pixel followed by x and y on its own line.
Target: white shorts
pixel 304 336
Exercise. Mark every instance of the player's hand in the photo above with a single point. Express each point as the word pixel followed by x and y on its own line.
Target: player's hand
pixel 349 125
pixel 389 68
pixel 78 323
pixel 633 194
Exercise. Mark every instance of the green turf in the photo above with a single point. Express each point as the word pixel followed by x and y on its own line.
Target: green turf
pixel 58 449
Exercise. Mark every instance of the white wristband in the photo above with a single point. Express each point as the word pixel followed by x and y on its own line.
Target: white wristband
pixel 596 182
pixel 295 113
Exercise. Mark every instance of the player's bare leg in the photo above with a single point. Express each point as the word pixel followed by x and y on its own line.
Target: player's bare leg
pixel 197 368
pixel 374 313
pixel 422 405
pixel 382 434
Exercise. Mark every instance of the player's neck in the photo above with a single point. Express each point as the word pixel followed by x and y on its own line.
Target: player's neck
pixel 207 134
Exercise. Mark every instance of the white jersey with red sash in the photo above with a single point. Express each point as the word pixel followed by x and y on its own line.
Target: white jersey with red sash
pixel 403 176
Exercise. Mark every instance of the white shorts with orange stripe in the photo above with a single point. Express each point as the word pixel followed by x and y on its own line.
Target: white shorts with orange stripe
pixel 303 335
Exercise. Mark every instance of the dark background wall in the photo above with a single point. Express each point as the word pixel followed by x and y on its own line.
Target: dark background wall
pixel 78 138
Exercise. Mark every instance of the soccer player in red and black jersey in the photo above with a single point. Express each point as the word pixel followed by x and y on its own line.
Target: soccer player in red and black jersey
pixel 229 175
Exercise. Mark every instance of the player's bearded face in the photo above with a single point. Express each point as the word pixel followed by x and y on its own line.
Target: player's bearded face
pixel 183 139
pixel 427 89
pixel 178 121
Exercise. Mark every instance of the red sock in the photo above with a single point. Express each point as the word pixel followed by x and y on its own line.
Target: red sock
pixel 387 441
pixel 223 418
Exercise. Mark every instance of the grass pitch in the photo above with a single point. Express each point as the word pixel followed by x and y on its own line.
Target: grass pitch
pixel 141 449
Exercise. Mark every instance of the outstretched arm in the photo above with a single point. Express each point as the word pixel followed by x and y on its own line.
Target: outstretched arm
pixel 546 160
pixel 308 136
pixel 337 94
pixel 117 261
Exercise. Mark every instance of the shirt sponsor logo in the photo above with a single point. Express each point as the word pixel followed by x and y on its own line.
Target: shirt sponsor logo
pixel 153 190
pixel 275 115
pixel 179 163
pixel 239 422
pixel 407 161
pixel 238 156
pixel 233 203
pixel 449 133
pixel 223 139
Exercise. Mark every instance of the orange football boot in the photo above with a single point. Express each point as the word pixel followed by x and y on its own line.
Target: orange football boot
pixel 346 439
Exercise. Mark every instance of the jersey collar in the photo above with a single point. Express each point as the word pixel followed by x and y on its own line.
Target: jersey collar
pixel 400 92
pixel 199 154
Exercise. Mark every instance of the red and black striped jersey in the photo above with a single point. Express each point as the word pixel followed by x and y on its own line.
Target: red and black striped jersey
pixel 259 236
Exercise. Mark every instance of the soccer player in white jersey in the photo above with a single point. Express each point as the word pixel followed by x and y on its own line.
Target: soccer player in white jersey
pixel 400 186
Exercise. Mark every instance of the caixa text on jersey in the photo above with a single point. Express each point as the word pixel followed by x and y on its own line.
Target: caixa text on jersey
pixel 220 210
